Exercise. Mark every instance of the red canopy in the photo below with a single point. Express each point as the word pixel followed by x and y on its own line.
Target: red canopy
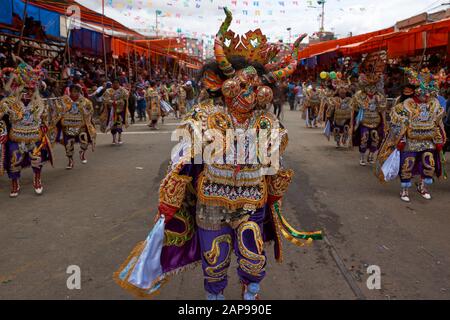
pixel 397 43
pixel 154 47
pixel 406 42
pixel 332 45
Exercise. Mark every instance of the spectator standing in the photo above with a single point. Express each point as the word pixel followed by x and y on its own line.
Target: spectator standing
pixel 132 103
pixel 291 95
pixel 298 91
pixel 140 102
pixel 190 95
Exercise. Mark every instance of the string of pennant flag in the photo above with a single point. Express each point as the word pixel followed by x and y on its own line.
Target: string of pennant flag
pixel 143 13
pixel 260 11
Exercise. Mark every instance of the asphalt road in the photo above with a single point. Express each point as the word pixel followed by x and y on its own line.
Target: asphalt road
pixel 93 216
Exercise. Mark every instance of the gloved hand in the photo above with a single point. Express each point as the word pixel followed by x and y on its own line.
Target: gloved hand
pixel 401 145
pixel 44 129
pixel 272 199
pixel 167 210
pixel 439 147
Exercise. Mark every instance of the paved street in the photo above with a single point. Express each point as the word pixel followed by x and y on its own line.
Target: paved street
pixel 93 216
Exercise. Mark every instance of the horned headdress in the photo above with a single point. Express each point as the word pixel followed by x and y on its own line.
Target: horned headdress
pixel 254 47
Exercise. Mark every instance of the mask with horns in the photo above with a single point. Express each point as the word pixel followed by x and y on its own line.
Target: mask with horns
pixel 246 86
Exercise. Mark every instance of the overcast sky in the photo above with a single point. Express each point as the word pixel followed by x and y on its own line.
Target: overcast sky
pixel 203 17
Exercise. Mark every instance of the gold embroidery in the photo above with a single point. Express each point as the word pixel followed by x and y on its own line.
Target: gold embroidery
pixel 364 139
pixel 219 121
pixel 225 201
pixel 428 164
pixel 225 174
pixel 213 255
pixel 277 228
pixel 178 239
pixel 173 189
pixel 284 140
pixel 279 183
pixel 407 167
pixel 247 266
pixel 15 162
pixel 375 137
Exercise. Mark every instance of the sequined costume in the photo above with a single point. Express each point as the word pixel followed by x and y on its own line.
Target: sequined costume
pixel 76 126
pixel 340 116
pixel 181 100
pixel 311 106
pixel 115 111
pixel 24 122
pixel 231 202
pixel 369 107
pixel 327 99
pixel 153 106
pixel 417 132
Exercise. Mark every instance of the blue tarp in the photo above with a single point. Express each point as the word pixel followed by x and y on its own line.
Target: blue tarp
pixel 89 41
pixel 6 12
pixel 310 63
pixel 50 20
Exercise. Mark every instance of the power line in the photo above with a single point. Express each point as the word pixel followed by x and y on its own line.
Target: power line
pixel 441 5
pixel 429 6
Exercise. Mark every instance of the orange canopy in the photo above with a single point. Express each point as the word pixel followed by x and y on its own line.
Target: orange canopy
pixel 406 42
pixel 170 43
pixel 152 48
pixel 332 45
pixel 396 43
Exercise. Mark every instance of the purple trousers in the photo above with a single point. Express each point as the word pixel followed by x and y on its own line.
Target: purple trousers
pixel 20 156
pixel 247 243
pixel 370 139
pixel 117 127
pixel 69 142
pixel 341 131
pixel 417 163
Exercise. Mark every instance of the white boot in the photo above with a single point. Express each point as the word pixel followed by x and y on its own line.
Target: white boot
pixel 15 188
pixel 362 160
pixel 422 189
pixel 404 195
pixel 83 157
pixel 371 158
pixel 37 184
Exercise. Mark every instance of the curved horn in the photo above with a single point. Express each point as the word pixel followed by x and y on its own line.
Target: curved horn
pixel 219 52
pixel 285 72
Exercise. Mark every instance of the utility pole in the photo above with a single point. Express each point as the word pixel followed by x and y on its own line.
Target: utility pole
pixel 23 27
pixel 322 16
pixel 156 13
pixel 290 38
pixel 103 38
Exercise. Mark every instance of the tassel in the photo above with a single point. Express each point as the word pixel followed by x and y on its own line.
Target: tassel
pixel 292 234
pixel 443 162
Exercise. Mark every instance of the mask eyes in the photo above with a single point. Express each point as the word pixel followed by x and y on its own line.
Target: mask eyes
pixel 264 95
pixel 231 88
